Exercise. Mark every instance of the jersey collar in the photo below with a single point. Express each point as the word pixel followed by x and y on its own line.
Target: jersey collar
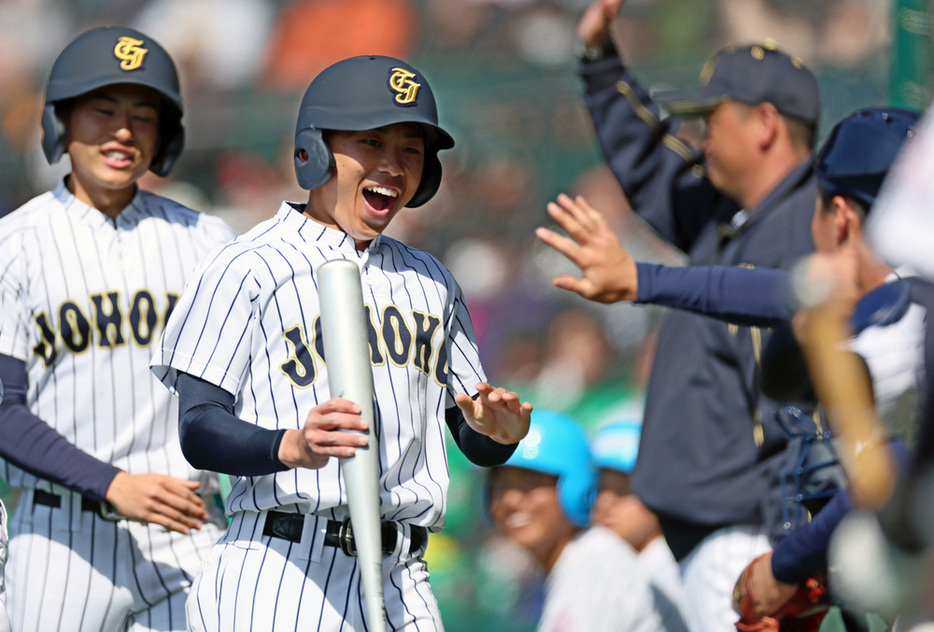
pixel 291 216
pixel 92 216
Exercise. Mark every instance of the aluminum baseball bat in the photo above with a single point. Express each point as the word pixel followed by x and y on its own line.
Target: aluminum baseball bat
pixel 350 375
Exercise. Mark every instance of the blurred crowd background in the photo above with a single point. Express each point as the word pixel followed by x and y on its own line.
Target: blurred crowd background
pixel 503 72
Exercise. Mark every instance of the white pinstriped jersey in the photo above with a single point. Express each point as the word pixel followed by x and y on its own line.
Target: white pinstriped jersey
pixel 250 324
pixel 894 354
pixel 596 585
pixel 84 299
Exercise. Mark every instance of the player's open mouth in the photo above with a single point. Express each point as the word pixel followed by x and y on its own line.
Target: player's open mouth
pixel 380 198
pixel 517 520
pixel 117 158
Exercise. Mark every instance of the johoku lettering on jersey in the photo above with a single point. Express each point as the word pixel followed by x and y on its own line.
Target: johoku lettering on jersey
pixel 415 338
pixel 421 343
pixel 100 293
pixel 107 325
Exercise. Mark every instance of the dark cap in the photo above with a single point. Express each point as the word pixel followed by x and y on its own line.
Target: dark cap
pixel 753 74
pixel 860 149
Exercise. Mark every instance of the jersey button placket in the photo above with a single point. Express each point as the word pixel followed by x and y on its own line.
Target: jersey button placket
pixel 365 277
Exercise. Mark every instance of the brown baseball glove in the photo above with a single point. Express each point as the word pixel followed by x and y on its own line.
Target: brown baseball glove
pixel 803 610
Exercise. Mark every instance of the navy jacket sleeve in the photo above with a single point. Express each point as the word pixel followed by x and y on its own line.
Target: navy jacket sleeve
pixel 745 296
pixel 32 445
pixel 662 176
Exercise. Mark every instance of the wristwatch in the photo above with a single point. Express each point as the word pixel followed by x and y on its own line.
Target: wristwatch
pixel 595 53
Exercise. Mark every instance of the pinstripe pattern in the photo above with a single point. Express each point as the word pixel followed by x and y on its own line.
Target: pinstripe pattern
pixel 99 575
pixel 260 583
pixel 84 300
pixel 250 324
pixel 709 572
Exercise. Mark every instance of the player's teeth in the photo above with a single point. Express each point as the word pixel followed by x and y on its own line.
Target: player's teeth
pixel 383 191
pixel 517 520
pixel 118 155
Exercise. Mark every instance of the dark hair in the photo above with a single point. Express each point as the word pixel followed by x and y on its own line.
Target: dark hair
pixel 801 132
pixel 826 199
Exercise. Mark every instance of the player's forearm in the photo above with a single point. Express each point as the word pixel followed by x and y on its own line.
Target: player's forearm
pixel 213 438
pixel 35 447
pixel 804 552
pixel 478 448
pixel 743 296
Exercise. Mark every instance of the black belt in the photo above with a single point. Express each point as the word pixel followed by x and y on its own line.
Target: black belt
pixel 46 499
pixel 288 526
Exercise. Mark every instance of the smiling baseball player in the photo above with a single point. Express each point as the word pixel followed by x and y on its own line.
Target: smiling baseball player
pixel 244 351
pixel 109 528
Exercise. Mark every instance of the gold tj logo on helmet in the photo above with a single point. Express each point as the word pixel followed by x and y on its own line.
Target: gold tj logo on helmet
pixel 401 81
pixel 130 52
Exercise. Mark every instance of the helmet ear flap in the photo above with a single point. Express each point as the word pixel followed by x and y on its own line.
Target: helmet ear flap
pixel 431 181
pixel 163 164
pixel 577 491
pixel 314 162
pixel 53 134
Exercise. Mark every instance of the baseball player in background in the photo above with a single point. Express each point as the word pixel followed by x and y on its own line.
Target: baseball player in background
pixel 886 309
pixel 615 447
pixel 541 498
pixel 710 451
pixel 243 350
pixel 112 523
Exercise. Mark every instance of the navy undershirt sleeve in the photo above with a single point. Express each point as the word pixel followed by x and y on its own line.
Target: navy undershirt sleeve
pixel 744 296
pixel 804 551
pixel 35 447
pixel 213 438
pixel 478 448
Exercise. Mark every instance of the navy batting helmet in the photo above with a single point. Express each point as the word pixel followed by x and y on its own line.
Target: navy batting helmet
pixel 364 93
pixel 860 150
pixel 106 56
pixel 556 445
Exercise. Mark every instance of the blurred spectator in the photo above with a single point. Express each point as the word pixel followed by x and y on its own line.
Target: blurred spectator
pixel 247 187
pixel 839 32
pixel 26 28
pixel 615 448
pixel 312 34
pixel 450 26
pixel 218 43
pixel 507 309
pixel 544 35
pixel 541 498
pixel 579 373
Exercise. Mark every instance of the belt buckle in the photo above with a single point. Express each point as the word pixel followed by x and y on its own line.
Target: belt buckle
pixel 109 513
pixel 345 537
